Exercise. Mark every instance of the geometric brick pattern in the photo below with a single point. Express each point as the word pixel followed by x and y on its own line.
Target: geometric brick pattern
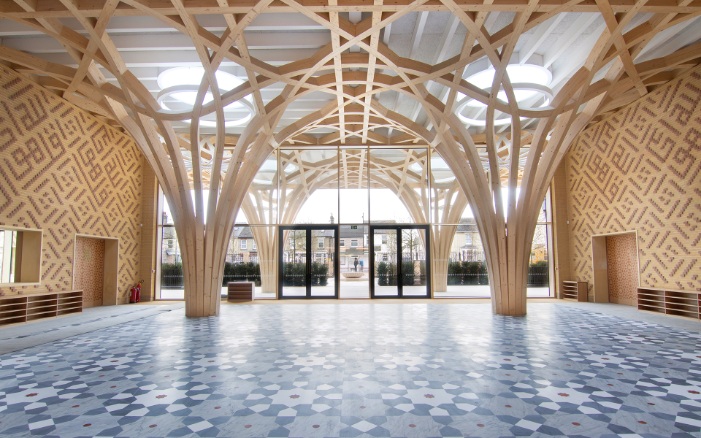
pixel 622 265
pixel 640 169
pixel 65 172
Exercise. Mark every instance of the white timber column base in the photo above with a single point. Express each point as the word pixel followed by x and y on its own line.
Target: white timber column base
pixel 509 294
pixel 200 304
pixel 202 294
pixel 510 303
pixel 440 274
pixel 268 272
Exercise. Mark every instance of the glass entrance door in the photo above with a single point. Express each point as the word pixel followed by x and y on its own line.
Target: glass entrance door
pixel 354 257
pixel 400 261
pixel 308 262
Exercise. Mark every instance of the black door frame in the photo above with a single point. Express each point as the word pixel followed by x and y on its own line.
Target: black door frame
pixel 308 270
pixel 398 228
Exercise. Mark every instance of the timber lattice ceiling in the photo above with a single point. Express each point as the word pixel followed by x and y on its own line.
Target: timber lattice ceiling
pixel 345 72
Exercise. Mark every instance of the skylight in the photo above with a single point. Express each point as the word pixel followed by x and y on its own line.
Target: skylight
pixel 529 81
pixel 179 87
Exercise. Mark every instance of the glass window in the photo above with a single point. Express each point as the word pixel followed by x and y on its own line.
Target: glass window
pixel 346 185
pixel 261 201
pixel 20 256
pixel 353 186
pixel 448 203
pixel 398 179
pixel 243 265
pixel 310 181
pixel 172 282
pixel 539 266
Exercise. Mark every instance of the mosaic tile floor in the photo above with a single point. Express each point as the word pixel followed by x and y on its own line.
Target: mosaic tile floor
pixel 361 369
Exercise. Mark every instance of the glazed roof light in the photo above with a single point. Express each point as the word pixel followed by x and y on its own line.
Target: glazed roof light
pixel 531 89
pixel 179 87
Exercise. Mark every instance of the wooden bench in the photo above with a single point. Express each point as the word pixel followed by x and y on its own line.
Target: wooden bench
pixel 240 291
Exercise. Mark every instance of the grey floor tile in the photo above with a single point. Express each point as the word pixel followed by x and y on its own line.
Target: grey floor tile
pixel 405 370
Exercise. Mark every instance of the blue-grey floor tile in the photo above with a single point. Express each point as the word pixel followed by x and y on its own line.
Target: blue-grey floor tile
pixel 361 369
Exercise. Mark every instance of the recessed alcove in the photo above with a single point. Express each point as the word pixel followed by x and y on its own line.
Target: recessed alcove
pixel 615 267
pixel 95 268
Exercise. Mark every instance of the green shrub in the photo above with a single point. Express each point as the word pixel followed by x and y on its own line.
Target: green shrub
pixel 470 273
pixel 538 274
pixel 172 275
pixel 409 277
pixel 247 271
pixel 386 274
pixel 294 274
pixel 320 274
pixel 455 273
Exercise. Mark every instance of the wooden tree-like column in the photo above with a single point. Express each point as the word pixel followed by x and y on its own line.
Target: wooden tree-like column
pixel 203 234
pixel 257 206
pixel 507 225
pixel 453 202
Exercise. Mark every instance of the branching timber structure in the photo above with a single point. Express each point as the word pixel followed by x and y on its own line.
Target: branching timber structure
pixel 362 73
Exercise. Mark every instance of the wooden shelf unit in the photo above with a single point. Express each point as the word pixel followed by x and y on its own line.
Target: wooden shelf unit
pixel 70 302
pixel 13 310
pixel 23 308
pixel 240 291
pixel 670 302
pixel 574 290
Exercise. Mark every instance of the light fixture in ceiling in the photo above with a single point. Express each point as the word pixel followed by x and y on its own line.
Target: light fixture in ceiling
pixel 530 83
pixel 179 86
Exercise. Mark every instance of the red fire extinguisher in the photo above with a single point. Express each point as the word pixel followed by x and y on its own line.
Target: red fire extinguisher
pixel 135 293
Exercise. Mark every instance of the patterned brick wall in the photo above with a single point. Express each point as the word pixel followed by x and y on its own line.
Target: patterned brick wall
pixel 640 169
pixel 622 263
pixel 65 172
pixel 89 271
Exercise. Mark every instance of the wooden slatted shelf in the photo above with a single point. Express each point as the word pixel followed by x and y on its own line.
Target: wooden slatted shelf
pixel 13 310
pixel 30 307
pixel 651 300
pixel 41 306
pixel 70 302
pixel 670 302
pixel 574 290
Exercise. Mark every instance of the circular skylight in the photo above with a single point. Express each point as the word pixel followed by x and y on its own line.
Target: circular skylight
pixel 530 83
pixel 179 87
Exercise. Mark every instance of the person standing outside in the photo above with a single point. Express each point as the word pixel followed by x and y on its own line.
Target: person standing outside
pixel 355 264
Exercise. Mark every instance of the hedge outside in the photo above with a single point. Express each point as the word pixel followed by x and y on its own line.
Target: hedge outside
pixel 172 274
pixel 387 274
pixel 475 273
pixel 459 273
pixel 294 274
